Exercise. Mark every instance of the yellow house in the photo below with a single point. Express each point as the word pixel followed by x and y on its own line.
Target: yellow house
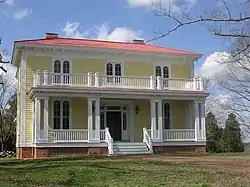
pixel 78 96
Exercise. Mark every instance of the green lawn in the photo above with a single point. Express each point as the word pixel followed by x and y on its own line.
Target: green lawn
pixel 110 171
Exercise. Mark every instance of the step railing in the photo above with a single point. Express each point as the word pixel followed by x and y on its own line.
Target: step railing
pixel 147 139
pixel 102 135
pixel 109 141
pixel 70 135
pixel 133 82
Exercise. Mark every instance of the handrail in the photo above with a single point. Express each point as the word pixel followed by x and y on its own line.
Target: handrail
pixel 109 141
pixel 147 139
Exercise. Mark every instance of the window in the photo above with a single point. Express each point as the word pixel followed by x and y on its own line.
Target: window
pixel 113 70
pixel 61 115
pixel 124 121
pixel 164 73
pixel 60 69
pixel 166 116
pixel 102 120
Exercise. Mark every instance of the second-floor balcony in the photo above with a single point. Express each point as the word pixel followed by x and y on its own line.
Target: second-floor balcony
pixel 105 81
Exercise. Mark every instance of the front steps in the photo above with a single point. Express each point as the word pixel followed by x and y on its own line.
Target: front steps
pixel 130 148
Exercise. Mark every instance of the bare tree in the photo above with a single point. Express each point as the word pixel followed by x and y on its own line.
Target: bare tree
pixel 229 20
pixel 7 109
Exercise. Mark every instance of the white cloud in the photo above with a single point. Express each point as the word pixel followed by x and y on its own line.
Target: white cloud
pixel 175 5
pixel 102 32
pixel 15 12
pixel 21 14
pixel 214 66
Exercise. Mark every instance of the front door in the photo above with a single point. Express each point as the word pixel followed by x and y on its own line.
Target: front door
pixel 114 124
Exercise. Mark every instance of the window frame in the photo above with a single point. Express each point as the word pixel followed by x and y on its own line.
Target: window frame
pixel 114 62
pixel 61 60
pixel 61 100
pixel 162 69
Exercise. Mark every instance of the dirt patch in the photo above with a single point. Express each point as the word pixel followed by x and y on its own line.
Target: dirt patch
pixel 237 164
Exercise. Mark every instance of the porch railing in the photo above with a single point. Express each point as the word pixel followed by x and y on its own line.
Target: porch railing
pixel 102 135
pixel 70 135
pixel 147 139
pixel 96 80
pixel 109 141
pixel 178 134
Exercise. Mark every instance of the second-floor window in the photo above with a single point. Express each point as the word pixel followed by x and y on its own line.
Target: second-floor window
pixel 61 71
pixel 113 71
pixel 164 73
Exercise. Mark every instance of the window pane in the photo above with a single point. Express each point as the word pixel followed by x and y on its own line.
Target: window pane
pixel 102 120
pixel 57 66
pixel 165 72
pixel 65 108
pixel 65 67
pixel 158 71
pixel 124 121
pixel 65 123
pixel 167 116
pixel 56 122
pixel 118 70
pixel 109 69
pixel 113 107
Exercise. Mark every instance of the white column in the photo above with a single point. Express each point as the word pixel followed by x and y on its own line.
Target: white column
pixel 46 119
pixel 97 119
pixel 160 120
pixel 37 119
pixel 203 121
pixel 90 121
pixel 153 119
pixel 197 120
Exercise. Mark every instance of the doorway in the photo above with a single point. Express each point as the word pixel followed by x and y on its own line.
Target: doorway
pixel 114 124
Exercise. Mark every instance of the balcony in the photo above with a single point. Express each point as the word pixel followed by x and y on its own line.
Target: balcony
pixel 103 81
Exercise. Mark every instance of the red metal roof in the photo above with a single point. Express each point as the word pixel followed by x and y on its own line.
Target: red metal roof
pixel 59 41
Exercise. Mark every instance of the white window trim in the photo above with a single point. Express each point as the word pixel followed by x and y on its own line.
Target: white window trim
pixel 163 112
pixel 61 60
pixel 114 62
pixel 162 66
pixel 61 111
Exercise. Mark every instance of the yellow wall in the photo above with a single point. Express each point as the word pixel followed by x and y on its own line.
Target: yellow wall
pixel 138 69
pixel 142 119
pixel 80 114
pixel 181 71
pixel 33 63
pixel 178 111
pixel 88 65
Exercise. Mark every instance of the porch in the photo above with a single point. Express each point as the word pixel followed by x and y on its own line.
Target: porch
pixel 95 120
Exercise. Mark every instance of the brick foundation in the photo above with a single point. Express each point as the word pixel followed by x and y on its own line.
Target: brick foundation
pixel 35 152
pixel 191 149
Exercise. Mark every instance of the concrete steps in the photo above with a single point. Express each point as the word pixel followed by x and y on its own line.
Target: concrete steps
pixel 130 148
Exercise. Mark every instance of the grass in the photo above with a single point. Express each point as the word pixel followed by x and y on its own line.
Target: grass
pixel 110 171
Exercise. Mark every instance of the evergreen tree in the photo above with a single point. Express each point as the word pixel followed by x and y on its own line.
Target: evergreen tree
pixel 231 138
pixel 213 133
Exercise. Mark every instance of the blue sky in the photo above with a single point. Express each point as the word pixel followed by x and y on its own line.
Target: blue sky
pixel 108 19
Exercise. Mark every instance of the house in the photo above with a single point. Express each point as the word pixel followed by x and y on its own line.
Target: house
pixel 79 96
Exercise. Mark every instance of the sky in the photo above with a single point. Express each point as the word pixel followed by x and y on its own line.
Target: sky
pixel 121 20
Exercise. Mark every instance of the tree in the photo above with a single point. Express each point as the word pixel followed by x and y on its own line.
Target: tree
pixel 213 133
pixel 231 138
pixel 229 20
pixel 7 106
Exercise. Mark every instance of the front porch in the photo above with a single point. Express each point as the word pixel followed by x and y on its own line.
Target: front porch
pixel 96 121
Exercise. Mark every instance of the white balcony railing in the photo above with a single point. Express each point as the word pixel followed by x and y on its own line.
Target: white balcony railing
pixel 70 135
pixel 178 134
pixel 95 80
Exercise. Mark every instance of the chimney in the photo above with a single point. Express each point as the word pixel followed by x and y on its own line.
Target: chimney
pixel 50 35
pixel 138 41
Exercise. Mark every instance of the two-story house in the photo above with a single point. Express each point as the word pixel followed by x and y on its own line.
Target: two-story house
pixel 79 96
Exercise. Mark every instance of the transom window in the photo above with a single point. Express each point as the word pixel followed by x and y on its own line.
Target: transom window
pixel 61 114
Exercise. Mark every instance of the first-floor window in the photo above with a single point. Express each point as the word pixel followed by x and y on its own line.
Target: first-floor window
pixel 61 114
pixel 166 116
